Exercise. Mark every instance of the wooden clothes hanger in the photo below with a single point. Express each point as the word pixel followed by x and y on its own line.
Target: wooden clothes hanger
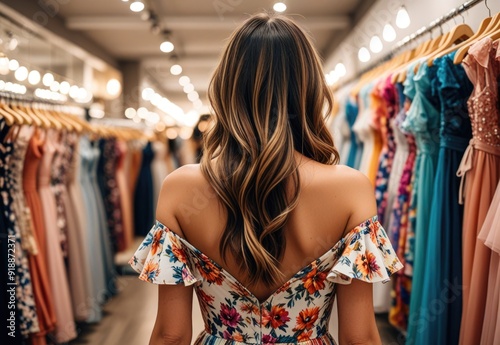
pixel 37 108
pixel 29 110
pixel 492 28
pixel 458 34
pixel 14 117
pixel 482 27
pixel 35 120
pixel 26 120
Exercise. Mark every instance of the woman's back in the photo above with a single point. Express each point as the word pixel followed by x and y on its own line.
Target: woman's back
pixel 325 244
pixel 266 226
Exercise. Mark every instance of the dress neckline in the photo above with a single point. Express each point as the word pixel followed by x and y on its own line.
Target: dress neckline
pixel 292 279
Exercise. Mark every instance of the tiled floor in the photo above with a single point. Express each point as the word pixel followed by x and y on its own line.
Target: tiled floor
pixel 129 318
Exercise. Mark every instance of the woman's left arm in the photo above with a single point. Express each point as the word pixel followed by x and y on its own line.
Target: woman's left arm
pixel 174 318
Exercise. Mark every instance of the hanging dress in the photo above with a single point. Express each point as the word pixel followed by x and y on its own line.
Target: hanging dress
pixel 143 200
pixel 444 244
pixel 65 326
pixel 480 167
pixel 424 118
pixel 77 228
pixel 400 226
pixel 351 111
pixel 363 128
pixel 38 263
pixel 104 235
pixel 92 232
pixel 125 194
pixel 490 235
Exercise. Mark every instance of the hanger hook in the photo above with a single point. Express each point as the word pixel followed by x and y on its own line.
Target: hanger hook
pixel 489 9
pixel 463 18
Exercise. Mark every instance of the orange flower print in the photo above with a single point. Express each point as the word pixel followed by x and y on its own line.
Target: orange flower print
pixel 283 288
pixel 314 281
pixel 209 271
pixel 305 336
pixel 249 308
pixel 367 265
pixel 277 317
pixel 374 228
pixel 178 251
pixel 150 271
pixel 307 318
pixel 205 297
pixel 155 245
pixel 238 337
pixel 239 289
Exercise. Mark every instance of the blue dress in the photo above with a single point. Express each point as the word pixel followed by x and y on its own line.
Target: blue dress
pixel 444 250
pixel 351 111
pixel 423 118
pixel 144 209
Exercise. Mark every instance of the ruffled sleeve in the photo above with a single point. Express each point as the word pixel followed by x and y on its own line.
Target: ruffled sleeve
pixel 161 258
pixel 365 253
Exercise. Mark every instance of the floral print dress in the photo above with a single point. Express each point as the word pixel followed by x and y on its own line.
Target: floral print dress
pixel 298 312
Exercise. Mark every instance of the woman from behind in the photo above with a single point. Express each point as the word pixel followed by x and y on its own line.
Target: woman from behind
pixel 267 230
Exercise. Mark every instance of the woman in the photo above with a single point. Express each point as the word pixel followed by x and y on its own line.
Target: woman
pixel 267 225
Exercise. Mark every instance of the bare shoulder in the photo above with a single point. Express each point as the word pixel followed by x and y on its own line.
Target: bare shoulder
pixel 347 190
pixel 178 191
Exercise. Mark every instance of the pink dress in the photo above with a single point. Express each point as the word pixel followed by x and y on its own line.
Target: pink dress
pixel 65 327
pixel 480 168
pixel 490 234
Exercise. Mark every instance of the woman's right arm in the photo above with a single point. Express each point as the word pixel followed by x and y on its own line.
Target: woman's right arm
pixel 357 324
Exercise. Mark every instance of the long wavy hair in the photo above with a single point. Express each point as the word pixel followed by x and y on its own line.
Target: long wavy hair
pixel 269 99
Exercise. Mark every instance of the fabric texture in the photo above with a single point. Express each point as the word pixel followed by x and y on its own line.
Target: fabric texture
pixel 299 311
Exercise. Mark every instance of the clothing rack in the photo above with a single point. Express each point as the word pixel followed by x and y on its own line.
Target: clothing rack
pixel 417 34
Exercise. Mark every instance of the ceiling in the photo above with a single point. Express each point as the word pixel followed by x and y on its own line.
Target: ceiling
pixel 199 30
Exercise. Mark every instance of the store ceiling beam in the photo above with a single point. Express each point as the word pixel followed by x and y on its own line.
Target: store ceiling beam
pixel 85 23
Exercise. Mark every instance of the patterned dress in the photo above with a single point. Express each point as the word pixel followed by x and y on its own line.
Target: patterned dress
pixel 299 311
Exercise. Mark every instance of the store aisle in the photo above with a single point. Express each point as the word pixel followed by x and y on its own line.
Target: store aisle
pixel 129 318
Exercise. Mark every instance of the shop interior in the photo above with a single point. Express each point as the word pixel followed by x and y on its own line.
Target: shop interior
pixel 101 99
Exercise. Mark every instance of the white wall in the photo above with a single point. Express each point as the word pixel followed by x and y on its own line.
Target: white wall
pixel 422 13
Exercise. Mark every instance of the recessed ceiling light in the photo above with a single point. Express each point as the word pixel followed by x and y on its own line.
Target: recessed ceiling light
pixel 188 88
pixel 34 77
pixel 364 55
pixel 21 73
pixel 137 6
pixel 402 18
pixel 176 69
pixel 376 44
pixel 48 79
pixel 184 80
pixel 279 7
pixel 167 47
pixel 389 34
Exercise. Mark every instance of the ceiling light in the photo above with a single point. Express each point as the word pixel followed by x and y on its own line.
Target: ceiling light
pixel 402 18
pixel 142 112
pixel 73 91
pixel 148 93
pixel 184 80
pixel 13 43
pixel 188 88
pixel 64 87
pixel 279 7
pixel 48 79
pixel 21 73
pixel 167 47
pixel 364 55
pixel 124 0
pixel 376 44
pixel 329 79
pixel 176 69
pixel 34 77
pixel 13 65
pixel 160 127
pixel 193 96
pixel 389 34
pixel 130 113
pixel 55 87
pixel 113 87
pixel 137 6
pixel 4 65
pixel 340 69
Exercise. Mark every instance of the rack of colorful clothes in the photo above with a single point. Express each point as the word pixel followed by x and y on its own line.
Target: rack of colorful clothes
pixel 66 209
pixel 425 128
